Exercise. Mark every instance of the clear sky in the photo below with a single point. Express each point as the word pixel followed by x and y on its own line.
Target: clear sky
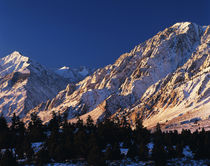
pixel 90 33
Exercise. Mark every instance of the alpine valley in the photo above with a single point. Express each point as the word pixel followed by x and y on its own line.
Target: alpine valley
pixel 162 80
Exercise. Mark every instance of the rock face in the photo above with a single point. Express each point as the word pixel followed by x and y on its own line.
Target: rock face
pixel 74 74
pixel 166 73
pixel 24 84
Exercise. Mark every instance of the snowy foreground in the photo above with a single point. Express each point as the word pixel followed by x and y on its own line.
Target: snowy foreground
pixel 181 162
pixel 187 160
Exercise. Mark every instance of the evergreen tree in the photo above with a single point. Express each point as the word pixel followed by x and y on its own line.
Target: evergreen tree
pixel 3 124
pixel 79 123
pixel 80 144
pixel 95 157
pixel 42 157
pixel 28 151
pixel 18 130
pixel 89 122
pixel 179 150
pixel 138 124
pixel 8 159
pixel 141 134
pixel 132 151
pixel 68 137
pixel 55 123
pixel 55 146
pixel 4 133
pixel 108 153
pixel 171 152
pixel 36 129
pixel 203 147
pixel 159 154
pixel 143 152
pixel 116 152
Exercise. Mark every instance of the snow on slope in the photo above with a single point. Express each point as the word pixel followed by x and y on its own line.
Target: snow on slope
pixel 25 84
pixel 183 95
pixel 74 74
pixel 120 89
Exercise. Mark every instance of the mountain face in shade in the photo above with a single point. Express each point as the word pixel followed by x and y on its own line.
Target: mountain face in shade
pixel 24 84
pixel 165 79
pixel 74 74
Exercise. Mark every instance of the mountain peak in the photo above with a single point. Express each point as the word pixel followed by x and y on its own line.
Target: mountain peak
pixel 15 57
pixel 13 63
pixel 183 27
pixel 16 52
pixel 64 68
pixel 74 74
pixel 183 24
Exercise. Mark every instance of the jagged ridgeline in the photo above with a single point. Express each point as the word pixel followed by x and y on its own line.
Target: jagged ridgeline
pixel 164 79
pixel 25 83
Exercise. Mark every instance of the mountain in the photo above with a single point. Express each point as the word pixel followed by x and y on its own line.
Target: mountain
pixel 25 83
pixel 161 79
pixel 182 98
pixel 164 79
pixel 74 74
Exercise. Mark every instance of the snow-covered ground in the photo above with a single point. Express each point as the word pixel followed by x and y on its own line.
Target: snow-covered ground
pixel 187 160
pixel 37 146
pixel 176 161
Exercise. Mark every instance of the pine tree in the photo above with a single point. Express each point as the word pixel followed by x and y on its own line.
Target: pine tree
pixel 179 150
pixel 108 153
pixel 18 131
pixel 132 151
pixel 8 159
pixel 79 123
pixel 116 152
pixel 36 129
pixel 171 152
pixel 29 152
pixel 3 124
pixel 159 154
pixel 55 123
pixel 95 157
pixel 42 157
pixel 143 152
pixel 80 144
pixel 89 122
pixel 138 124
pixel 141 134
pixel 68 136
pixel 4 133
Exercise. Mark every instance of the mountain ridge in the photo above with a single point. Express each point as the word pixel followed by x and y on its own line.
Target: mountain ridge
pixel 119 87
pixel 25 83
pixel 162 80
pixel 74 74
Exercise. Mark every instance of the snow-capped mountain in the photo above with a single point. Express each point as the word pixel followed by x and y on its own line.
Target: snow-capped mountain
pixel 24 84
pixel 74 74
pixel 171 67
pixel 182 97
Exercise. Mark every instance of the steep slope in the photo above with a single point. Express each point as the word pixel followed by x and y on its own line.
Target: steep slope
pixel 120 87
pixel 184 96
pixel 74 74
pixel 25 83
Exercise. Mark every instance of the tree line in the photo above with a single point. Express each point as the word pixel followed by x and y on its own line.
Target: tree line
pixel 95 144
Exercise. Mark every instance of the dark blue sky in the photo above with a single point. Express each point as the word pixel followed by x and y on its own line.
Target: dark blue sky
pixel 92 33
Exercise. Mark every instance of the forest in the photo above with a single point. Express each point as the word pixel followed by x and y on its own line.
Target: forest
pixel 94 144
